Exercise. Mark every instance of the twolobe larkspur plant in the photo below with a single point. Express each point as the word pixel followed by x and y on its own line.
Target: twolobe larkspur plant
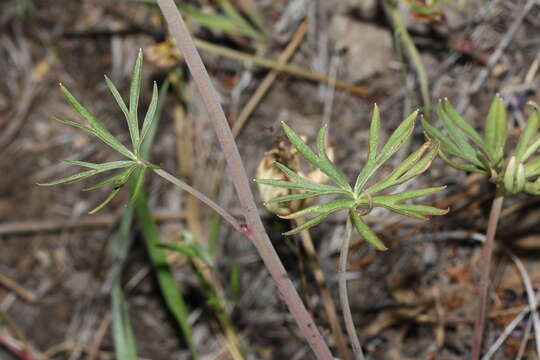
pixel 485 155
pixel 464 148
pixel 359 199
pixel 133 168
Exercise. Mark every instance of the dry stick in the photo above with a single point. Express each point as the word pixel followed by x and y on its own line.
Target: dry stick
pixel 344 297
pixel 269 80
pixel 487 251
pixel 255 229
pixel 276 65
pixel 533 303
pixel 329 305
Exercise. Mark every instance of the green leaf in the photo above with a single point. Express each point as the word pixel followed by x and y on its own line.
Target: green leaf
pixel 137 188
pixel 462 166
pixel 404 167
pixel 322 163
pixel 396 140
pixel 406 195
pixel 105 202
pixel 300 196
pixel 133 122
pixel 76 124
pixel 290 185
pixel 103 166
pixel 532 148
pixel 73 178
pixel 495 132
pixel 325 163
pixel 167 283
pixel 186 250
pixel 118 180
pixel 308 224
pixel 219 22
pixel 117 97
pixel 455 134
pixel 462 124
pixel 527 135
pixel 151 113
pixel 97 128
pixel 374 133
pixel 307 183
pixel 365 231
pixel 326 208
pixel 532 168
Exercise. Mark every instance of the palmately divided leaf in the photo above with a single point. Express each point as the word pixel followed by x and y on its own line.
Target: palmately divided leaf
pixel 408 166
pixel 133 122
pixel 97 128
pixel 365 231
pixel 395 141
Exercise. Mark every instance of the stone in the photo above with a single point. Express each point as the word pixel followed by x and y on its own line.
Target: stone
pixel 368 49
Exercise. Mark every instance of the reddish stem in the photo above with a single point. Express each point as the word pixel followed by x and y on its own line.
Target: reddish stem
pixel 256 231
pixel 487 252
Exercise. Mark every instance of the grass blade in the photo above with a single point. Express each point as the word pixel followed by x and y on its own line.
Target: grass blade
pixel 167 283
pixel 124 341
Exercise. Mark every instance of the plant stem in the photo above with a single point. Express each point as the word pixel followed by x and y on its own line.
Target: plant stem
pixel 255 229
pixel 329 305
pixel 344 297
pixel 199 195
pixel 487 251
pixel 414 56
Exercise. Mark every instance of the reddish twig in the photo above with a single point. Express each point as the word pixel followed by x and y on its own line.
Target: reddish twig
pixel 255 229
pixel 487 251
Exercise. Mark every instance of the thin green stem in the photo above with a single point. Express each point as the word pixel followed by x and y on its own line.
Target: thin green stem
pixel 487 252
pixel 255 228
pixel 344 296
pixel 414 56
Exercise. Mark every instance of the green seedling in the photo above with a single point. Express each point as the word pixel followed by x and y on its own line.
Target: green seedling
pixel 360 199
pixel 135 167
